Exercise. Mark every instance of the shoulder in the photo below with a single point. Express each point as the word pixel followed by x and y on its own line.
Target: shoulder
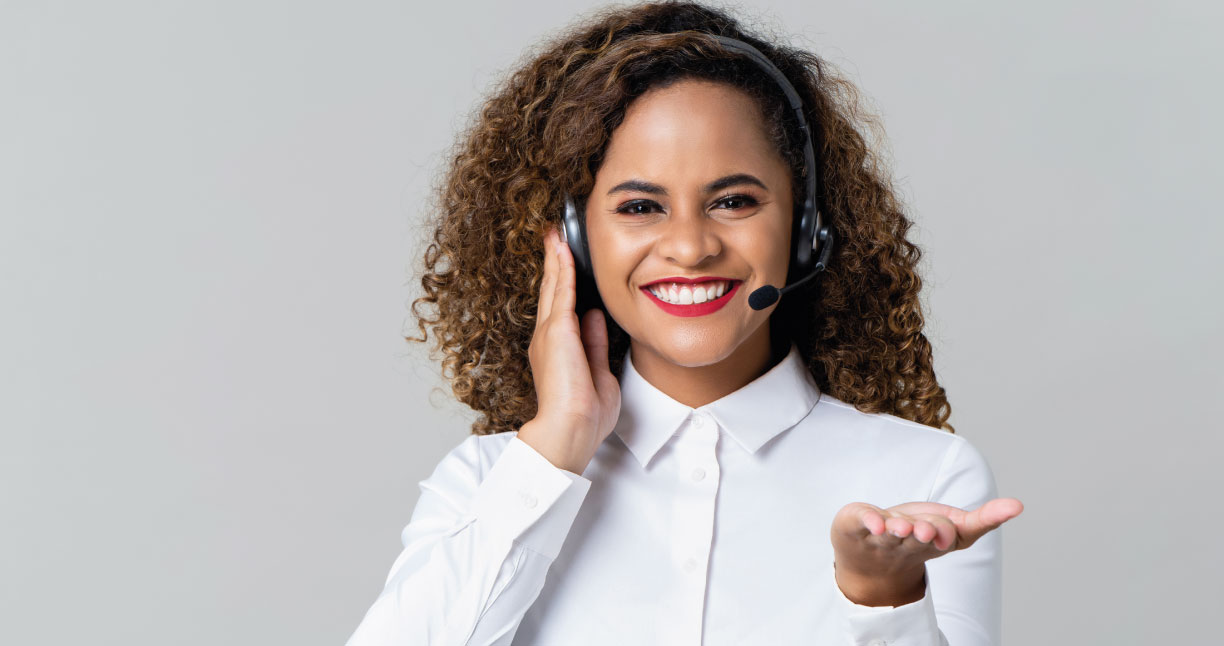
pixel 834 413
pixel 959 472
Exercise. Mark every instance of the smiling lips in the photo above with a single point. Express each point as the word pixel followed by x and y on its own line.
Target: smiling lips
pixel 691 299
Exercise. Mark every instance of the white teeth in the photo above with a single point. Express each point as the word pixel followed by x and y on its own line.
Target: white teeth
pixel 688 294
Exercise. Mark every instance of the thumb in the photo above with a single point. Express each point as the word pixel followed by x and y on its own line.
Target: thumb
pixel 988 517
pixel 595 340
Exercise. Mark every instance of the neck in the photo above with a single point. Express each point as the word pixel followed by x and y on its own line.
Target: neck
pixel 696 386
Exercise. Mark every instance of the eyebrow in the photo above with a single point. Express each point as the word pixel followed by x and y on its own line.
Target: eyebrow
pixel 716 185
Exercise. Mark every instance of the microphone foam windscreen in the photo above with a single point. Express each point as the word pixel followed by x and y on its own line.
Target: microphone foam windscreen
pixel 763 297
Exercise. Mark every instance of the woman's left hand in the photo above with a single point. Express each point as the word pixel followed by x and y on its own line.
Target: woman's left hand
pixel 880 555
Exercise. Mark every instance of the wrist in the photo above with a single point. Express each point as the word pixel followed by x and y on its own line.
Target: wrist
pixel 881 589
pixel 535 434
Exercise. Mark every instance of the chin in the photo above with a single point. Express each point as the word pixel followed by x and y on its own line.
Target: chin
pixel 692 350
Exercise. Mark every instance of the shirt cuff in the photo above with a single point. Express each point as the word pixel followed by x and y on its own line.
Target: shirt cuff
pixel 529 500
pixel 912 623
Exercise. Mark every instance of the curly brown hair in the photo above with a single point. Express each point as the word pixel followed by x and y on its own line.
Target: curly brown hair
pixel 543 132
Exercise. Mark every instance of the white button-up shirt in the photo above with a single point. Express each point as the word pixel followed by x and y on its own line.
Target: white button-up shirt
pixel 690 527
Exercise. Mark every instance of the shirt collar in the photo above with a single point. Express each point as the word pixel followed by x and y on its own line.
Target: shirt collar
pixel 752 415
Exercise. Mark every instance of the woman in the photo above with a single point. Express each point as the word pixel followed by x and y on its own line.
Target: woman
pixel 677 466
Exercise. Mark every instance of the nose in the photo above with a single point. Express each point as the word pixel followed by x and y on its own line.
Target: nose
pixel 688 237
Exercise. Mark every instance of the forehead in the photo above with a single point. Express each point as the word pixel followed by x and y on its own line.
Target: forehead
pixel 692 125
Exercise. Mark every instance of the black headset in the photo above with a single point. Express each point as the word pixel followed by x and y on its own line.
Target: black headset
pixel 812 238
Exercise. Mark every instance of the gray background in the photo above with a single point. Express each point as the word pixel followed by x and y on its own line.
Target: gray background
pixel 212 431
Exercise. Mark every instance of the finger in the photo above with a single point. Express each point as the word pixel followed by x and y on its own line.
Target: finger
pixel 871 519
pixel 595 341
pixel 924 531
pixel 945 530
pixel 1000 510
pixel 915 508
pixel 565 294
pixel 899 527
pixel 988 517
pixel 858 519
pixel 548 282
pixel 874 522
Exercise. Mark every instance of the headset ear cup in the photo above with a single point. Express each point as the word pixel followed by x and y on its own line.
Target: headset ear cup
pixel 575 237
pixel 574 225
pixel 584 248
pixel 800 240
pixel 826 246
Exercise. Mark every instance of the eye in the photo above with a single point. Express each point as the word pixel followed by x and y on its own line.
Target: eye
pixel 631 208
pixel 744 201
pixel 642 207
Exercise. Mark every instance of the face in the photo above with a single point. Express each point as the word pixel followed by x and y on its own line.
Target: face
pixel 690 188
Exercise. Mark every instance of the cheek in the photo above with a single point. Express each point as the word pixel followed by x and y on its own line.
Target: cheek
pixel 768 249
pixel 781 248
pixel 611 255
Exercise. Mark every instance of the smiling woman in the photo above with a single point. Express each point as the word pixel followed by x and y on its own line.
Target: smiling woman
pixel 548 131
pixel 671 224
pixel 675 466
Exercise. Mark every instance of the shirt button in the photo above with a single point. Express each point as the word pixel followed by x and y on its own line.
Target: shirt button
pixel 698 421
pixel 529 501
pixel 698 473
pixel 690 565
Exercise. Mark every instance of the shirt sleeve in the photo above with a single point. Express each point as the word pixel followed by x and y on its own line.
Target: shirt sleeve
pixel 476 550
pixel 962 605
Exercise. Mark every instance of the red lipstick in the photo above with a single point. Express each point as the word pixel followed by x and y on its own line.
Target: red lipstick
pixel 683 280
pixel 698 309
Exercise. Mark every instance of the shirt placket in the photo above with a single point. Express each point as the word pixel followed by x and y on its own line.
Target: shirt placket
pixel 698 474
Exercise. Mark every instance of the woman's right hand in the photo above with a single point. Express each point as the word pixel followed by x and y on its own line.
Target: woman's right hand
pixel 577 395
